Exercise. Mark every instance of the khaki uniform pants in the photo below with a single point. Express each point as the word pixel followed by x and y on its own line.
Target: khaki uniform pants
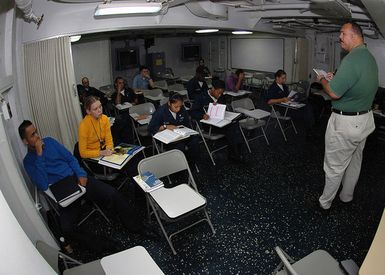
pixel 345 139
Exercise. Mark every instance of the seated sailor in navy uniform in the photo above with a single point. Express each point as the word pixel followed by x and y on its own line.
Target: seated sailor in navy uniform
pixel 278 92
pixel 231 131
pixel 170 116
pixel 197 85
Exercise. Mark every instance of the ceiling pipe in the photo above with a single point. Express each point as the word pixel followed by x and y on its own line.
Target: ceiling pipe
pixel 294 6
pixel 26 7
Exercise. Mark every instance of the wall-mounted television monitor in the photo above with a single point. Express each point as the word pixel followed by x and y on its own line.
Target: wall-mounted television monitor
pixel 127 58
pixel 191 52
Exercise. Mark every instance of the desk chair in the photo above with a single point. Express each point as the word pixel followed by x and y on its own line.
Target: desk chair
pixel 276 115
pixel 318 262
pixel 155 95
pixel 172 204
pixel 135 260
pixel 142 109
pixel 161 84
pixel 210 136
pixel 178 88
pixel 85 164
pixel 54 205
pixel 249 123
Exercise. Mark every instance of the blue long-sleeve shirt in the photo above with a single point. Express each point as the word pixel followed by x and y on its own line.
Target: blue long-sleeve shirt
pixel 54 164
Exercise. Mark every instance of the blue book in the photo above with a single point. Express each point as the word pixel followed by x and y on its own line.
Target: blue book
pixel 150 179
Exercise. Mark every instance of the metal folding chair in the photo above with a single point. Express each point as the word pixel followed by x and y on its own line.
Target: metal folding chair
pixel 276 115
pixel 318 262
pixel 172 204
pixel 250 123
pixel 210 136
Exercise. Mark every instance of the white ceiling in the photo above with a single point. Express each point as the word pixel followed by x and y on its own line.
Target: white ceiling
pixel 289 17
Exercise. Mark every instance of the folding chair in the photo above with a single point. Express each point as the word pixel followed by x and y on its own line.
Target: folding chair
pixel 318 262
pixel 276 115
pixel 210 136
pixel 135 260
pixel 141 129
pixel 85 164
pixel 54 205
pixel 161 84
pixel 155 95
pixel 172 204
pixel 250 123
pixel 178 88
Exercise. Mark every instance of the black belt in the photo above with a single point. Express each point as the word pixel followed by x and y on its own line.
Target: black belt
pixel 350 113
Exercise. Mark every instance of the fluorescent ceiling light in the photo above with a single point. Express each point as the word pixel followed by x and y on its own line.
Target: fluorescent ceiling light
pixel 206 30
pixel 242 32
pixel 120 7
pixel 75 38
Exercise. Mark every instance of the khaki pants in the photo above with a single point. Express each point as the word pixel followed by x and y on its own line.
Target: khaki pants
pixel 345 139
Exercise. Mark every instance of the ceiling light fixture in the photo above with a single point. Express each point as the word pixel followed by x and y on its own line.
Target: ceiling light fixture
pixel 121 8
pixel 242 32
pixel 75 38
pixel 206 30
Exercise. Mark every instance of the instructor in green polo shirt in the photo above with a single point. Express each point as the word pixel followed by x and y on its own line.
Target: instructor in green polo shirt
pixel 352 91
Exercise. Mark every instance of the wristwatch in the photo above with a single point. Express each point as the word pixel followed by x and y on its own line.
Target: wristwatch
pixel 164 126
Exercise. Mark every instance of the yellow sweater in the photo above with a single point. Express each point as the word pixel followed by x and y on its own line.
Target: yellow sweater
pixel 90 131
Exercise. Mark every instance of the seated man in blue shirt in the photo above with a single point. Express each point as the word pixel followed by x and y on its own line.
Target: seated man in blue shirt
pixel 143 80
pixel 231 131
pixel 48 162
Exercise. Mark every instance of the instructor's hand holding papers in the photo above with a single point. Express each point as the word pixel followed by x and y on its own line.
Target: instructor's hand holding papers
pixel 322 74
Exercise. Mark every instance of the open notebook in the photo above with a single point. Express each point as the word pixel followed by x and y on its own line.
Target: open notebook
pixel 167 136
pixel 228 117
pixel 123 153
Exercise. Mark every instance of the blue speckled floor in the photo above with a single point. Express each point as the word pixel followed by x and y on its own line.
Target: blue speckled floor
pixel 267 203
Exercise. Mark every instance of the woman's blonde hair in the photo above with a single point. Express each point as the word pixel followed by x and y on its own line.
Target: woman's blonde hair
pixel 89 101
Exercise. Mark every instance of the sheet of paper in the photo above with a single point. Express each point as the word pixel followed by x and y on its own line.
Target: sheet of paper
pixel 216 111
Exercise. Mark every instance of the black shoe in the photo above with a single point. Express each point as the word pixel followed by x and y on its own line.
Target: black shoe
pixel 347 203
pixel 316 207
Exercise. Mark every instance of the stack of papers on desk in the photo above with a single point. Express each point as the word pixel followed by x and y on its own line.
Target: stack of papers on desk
pixel 123 153
pixel 148 182
pixel 167 136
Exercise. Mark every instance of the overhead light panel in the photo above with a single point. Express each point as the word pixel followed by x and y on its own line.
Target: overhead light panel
pixel 206 30
pixel 122 8
pixel 75 38
pixel 242 32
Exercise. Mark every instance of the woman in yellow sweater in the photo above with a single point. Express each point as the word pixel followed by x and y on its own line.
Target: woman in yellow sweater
pixel 95 137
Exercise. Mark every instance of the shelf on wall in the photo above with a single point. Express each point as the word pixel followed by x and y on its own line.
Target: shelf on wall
pixel 6 83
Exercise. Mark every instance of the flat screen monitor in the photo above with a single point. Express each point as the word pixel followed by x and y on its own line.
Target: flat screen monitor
pixel 127 58
pixel 191 52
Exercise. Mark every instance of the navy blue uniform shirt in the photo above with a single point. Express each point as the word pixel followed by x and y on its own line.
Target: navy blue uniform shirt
pixel 275 92
pixel 163 116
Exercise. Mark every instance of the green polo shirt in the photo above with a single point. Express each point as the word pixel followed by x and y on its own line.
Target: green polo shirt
pixel 356 81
